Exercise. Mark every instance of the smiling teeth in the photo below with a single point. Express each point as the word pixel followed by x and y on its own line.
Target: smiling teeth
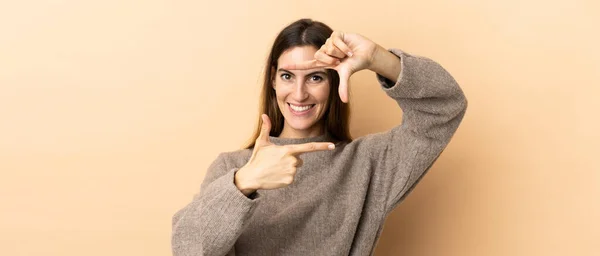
pixel 299 109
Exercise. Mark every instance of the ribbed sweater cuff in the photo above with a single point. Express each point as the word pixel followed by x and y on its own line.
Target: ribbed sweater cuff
pixel 233 200
pixel 419 78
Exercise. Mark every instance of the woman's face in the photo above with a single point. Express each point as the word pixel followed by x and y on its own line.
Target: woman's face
pixel 302 95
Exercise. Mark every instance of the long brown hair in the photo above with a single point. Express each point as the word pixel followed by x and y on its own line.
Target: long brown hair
pixel 303 32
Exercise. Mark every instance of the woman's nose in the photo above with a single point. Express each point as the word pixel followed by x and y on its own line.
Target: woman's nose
pixel 300 92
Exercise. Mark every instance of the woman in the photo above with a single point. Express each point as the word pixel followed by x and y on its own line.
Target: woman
pixel 304 187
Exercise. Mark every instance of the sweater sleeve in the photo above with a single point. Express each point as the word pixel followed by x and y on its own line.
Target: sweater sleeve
pixel 433 106
pixel 213 221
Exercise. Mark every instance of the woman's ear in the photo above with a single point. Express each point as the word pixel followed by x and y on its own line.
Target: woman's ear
pixel 273 75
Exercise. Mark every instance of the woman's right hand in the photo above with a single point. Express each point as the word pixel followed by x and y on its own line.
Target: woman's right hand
pixel 273 166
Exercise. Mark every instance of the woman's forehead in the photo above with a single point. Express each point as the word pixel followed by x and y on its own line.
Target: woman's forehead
pixel 297 54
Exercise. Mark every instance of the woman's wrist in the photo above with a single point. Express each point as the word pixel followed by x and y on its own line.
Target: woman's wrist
pixel 386 64
pixel 243 183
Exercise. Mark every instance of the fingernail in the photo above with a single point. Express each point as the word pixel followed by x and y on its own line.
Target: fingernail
pixel 350 54
pixel 331 146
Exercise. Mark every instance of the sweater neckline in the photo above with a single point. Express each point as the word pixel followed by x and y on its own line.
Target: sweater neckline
pixel 325 137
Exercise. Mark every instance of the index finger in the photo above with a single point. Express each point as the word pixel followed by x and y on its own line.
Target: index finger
pixel 310 147
pixel 305 65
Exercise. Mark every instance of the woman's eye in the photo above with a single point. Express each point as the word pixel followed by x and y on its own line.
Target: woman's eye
pixel 316 79
pixel 286 76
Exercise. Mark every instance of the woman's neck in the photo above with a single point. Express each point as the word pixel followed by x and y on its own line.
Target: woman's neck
pixel 314 131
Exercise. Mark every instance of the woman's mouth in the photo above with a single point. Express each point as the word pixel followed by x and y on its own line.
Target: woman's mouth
pixel 300 110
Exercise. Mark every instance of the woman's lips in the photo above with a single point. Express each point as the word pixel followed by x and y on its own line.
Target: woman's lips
pixel 301 113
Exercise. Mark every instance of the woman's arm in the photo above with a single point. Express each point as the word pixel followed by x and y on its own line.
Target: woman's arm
pixel 433 106
pixel 216 217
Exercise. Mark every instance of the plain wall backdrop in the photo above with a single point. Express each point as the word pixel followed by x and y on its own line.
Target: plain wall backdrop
pixel 111 111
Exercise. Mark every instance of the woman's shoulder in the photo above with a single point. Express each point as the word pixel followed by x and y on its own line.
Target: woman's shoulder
pixel 370 145
pixel 370 140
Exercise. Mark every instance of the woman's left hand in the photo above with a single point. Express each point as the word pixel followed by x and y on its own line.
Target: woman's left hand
pixel 347 53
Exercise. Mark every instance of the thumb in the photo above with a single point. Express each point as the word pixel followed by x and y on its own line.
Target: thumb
pixel 265 130
pixel 344 74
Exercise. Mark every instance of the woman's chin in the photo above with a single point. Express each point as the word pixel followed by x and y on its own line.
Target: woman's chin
pixel 300 125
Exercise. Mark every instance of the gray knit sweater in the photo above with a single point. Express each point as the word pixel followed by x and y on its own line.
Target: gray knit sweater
pixel 339 199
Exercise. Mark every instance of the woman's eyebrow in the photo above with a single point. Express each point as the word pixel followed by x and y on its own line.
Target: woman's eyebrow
pixel 283 70
pixel 318 72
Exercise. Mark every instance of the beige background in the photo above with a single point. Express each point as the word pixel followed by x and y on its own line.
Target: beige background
pixel 111 111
